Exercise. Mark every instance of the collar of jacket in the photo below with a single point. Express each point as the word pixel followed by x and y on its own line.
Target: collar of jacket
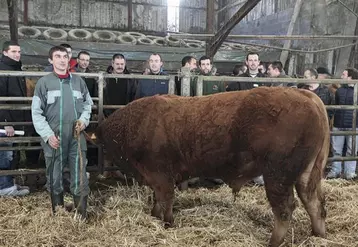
pixel 160 73
pixel 16 65
pixel 78 70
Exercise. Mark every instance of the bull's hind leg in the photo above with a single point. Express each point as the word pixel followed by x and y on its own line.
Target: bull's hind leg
pixel 309 191
pixel 281 198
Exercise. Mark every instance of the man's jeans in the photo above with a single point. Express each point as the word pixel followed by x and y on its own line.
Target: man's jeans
pixel 337 146
pixel 5 164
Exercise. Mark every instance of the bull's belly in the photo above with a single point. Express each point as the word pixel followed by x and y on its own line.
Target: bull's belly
pixel 227 169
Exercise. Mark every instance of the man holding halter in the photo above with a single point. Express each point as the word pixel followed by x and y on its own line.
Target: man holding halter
pixel 61 109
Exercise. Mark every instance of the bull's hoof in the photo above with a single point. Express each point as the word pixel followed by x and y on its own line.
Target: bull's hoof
pixel 168 225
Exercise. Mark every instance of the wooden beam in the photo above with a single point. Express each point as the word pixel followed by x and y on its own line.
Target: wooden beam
pixel 214 44
pixel 26 12
pixel 287 44
pixel 13 21
pixel 130 15
pixel 210 16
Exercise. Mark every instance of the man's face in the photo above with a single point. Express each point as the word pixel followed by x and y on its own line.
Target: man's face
pixel 307 75
pixel 205 66
pixel 118 64
pixel 83 61
pixel 69 51
pixel 345 76
pixel 60 61
pixel 273 72
pixel 155 64
pixel 14 52
pixel 253 62
pixel 192 65
pixel 322 76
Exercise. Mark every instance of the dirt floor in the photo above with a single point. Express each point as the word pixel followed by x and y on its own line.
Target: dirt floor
pixel 119 216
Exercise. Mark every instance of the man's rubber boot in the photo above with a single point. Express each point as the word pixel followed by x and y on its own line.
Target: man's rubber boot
pixel 81 206
pixel 57 200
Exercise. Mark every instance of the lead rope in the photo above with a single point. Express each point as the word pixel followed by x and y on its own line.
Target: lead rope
pixel 77 136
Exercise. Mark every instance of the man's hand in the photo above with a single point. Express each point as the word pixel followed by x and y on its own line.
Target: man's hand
pixel 54 142
pixel 80 126
pixel 9 130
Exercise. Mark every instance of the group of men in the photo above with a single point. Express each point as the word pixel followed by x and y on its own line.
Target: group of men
pixel 61 108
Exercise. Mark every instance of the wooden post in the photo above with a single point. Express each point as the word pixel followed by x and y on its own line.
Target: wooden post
pixel 185 82
pixel 224 31
pixel 13 22
pixel 287 45
pixel 210 16
pixel 130 15
pixel 171 89
pixel 26 12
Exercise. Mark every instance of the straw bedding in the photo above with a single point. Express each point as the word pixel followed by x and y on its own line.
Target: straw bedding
pixel 119 216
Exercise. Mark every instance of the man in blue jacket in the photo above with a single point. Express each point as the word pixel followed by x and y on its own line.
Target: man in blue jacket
pixel 343 121
pixel 150 87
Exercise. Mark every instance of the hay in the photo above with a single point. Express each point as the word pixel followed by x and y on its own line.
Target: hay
pixel 119 216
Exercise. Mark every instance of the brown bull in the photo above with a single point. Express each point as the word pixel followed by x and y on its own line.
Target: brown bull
pixel 282 133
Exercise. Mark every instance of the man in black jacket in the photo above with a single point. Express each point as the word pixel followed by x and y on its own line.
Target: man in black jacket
pixel 83 60
pixel 252 62
pixel 118 91
pixel 12 87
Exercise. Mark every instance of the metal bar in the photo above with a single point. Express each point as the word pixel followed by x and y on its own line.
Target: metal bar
pixel 28 123
pixel 269 37
pixel 100 118
pixel 27 99
pixel 15 98
pixel 341 107
pixel 343 133
pixel 354 124
pixel 19 148
pixel 15 123
pixel 206 78
pixel 88 75
pixel 171 85
pixel 20 172
pixel 199 86
pixel 20 139
pixel 349 158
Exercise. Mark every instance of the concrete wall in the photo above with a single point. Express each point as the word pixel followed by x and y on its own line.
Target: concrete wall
pixel 103 14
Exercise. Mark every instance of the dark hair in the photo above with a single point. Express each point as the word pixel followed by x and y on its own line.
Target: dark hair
pixel 238 68
pixel 66 45
pixel 186 59
pixel 323 70
pixel 204 58
pixel 156 54
pixel 352 73
pixel 118 56
pixel 252 53
pixel 7 44
pixel 276 65
pixel 313 72
pixel 56 48
pixel 84 53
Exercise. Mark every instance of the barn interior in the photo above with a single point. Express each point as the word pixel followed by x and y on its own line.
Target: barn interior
pixel 206 215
